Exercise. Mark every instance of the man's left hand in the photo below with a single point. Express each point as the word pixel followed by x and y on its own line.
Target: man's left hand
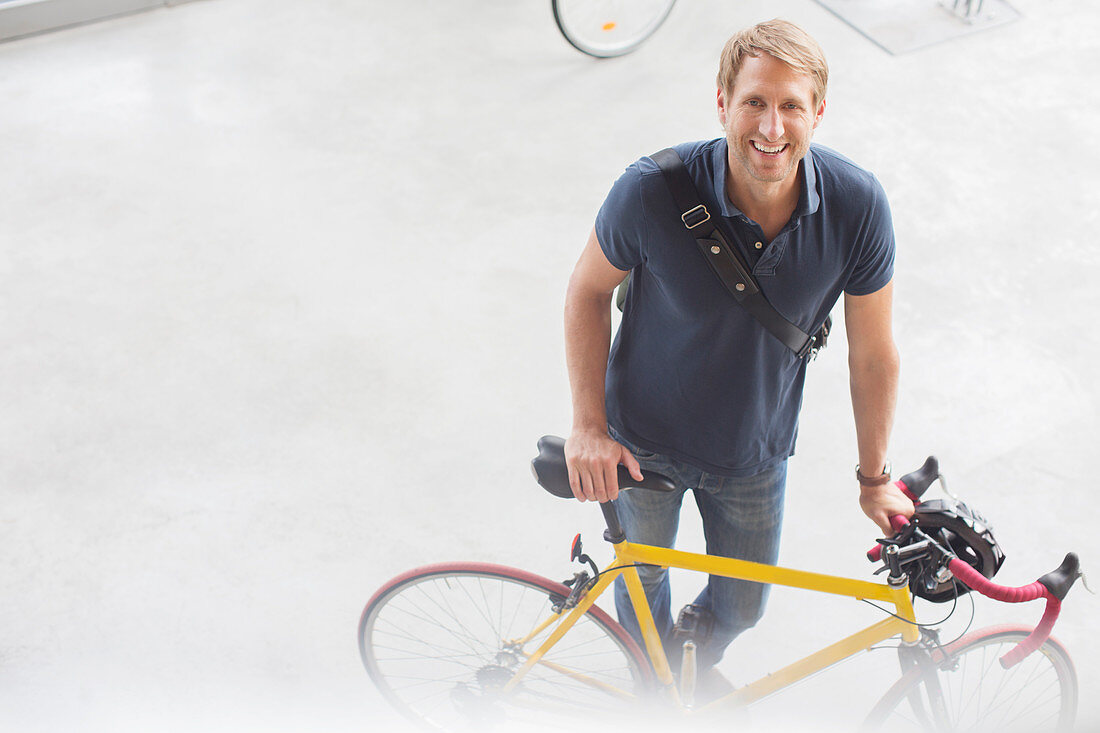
pixel 882 502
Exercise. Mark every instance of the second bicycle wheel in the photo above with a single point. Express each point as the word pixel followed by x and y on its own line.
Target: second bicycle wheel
pixel 605 28
pixel 1037 695
pixel 441 641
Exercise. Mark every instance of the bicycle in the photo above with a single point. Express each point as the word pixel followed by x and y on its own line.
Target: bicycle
pixel 607 28
pixel 459 646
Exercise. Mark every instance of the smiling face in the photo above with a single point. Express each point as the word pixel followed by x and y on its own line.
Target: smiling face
pixel 769 117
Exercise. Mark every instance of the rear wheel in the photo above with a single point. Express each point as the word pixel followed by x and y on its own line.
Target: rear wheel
pixel 441 641
pixel 605 28
pixel 969 690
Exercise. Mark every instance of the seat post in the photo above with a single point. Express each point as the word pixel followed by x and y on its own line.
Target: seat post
pixel 614 532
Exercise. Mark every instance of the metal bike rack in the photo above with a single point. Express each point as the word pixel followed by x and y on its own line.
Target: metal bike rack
pixel 903 26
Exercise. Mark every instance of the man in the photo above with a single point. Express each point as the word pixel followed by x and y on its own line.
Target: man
pixel 695 387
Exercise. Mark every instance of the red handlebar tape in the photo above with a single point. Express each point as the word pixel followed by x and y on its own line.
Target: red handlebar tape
pixel 988 588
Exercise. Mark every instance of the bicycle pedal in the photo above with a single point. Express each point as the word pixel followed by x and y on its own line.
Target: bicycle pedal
pixel 463 698
pixel 693 624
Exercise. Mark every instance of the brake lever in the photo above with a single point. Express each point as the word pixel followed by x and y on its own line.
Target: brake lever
pixel 1085 582
pixel 944 489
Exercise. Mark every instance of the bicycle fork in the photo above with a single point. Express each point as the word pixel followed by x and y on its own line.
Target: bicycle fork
pixel 916 655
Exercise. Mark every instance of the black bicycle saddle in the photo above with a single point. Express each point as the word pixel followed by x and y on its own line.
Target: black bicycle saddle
pixel 551 473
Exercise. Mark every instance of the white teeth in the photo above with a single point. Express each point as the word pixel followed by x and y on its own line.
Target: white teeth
pixel 764 149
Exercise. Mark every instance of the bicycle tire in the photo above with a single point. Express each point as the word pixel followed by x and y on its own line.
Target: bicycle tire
pixel 978 694
pixel 433 642
pixel 608 28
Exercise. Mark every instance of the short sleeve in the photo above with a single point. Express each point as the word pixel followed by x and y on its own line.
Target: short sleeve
pixel 620 223
pixel 875 264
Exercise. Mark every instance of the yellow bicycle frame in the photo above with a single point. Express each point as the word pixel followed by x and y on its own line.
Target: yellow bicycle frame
pixel 627 554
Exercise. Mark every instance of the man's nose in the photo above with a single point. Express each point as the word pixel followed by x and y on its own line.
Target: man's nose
pixel 771 127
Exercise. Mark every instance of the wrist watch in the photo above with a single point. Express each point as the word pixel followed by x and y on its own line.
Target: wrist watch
pixel 879 480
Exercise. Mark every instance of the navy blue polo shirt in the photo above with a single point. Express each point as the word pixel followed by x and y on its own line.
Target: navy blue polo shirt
pixel 691 373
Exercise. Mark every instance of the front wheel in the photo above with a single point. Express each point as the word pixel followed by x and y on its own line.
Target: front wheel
pixel 440 642
pixel 967 689
pixel 605 28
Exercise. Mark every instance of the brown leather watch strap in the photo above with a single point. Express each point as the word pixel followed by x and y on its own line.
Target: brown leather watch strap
pixel 883 478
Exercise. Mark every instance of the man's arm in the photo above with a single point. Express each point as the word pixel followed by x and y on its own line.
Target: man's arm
pixel 590 453
pixel 873 367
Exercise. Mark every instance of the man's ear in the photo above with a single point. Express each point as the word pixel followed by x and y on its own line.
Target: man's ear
pixel 820 114
pixel 722 108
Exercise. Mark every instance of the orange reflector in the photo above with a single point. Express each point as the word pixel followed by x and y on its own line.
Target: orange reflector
pixel 608 26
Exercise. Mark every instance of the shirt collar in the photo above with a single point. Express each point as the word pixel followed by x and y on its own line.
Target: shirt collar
pixel 809 199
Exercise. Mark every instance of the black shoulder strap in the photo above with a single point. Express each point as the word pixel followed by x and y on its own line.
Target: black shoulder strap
pixel 725 261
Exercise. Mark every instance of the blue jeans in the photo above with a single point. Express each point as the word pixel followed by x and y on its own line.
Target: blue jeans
pixel 742 518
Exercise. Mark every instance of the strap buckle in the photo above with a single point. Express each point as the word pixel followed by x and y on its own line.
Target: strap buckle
pixel 694 217
pixel 809 349
pixel 817 342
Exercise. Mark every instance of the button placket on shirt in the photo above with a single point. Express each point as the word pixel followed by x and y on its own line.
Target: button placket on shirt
pixel 749 238
pixel 773 252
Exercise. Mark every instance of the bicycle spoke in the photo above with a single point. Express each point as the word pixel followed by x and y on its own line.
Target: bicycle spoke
pixel 455 659
pixel 466 638
pixel 454 616
pixel 431 648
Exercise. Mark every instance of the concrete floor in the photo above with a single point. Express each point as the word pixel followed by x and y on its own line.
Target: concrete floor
pixel 281 297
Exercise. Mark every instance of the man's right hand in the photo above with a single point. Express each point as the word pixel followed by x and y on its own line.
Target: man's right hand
pixel 593 460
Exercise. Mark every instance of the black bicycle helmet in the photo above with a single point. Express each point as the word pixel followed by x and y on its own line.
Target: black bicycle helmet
pixel 961 529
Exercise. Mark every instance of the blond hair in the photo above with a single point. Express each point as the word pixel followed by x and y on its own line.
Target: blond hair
pixel 783 40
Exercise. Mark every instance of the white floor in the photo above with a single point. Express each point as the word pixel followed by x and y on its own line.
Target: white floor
pixel 281 294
